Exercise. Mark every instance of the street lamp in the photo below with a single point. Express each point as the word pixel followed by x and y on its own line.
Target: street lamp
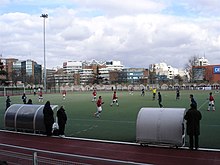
pixel 44 16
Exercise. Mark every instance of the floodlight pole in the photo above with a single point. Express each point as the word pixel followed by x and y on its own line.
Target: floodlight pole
pixel 44 16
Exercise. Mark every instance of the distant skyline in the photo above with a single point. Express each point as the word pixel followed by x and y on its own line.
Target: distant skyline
pixel 137 33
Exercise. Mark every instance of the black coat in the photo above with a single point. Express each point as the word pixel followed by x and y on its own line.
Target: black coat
pixel 8 103
pixel 61 115
pixel 193 118
pixel 48 115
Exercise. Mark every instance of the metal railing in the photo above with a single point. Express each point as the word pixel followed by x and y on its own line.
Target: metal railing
pixel 30 156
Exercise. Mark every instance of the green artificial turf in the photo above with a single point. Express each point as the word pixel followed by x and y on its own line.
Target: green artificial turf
pixel 119 123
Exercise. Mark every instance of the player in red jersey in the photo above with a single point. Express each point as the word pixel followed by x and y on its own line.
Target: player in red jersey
pixel 40 96
pixel 211 102
pixel 94 93
pixel 114 99
pixel 99 107
pixel 64 94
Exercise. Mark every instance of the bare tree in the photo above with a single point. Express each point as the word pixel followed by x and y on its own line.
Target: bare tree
pixel 3 75
pixel 188 67
pixel 97 76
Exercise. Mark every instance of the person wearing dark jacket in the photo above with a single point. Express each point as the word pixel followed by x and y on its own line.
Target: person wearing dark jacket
pixel 48 118
pixel 29 101
pixel 8 102
pixel 62 118
pixel 193 101
pixel 160 100
pixel 193 117
pixel 24 98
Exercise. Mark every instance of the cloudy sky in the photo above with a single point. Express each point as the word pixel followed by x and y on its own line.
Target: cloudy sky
pixel 136 32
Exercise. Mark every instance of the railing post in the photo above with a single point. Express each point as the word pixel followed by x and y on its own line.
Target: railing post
pixel 35 158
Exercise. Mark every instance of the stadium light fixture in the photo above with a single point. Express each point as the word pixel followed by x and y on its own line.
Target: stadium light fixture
pixel 44 16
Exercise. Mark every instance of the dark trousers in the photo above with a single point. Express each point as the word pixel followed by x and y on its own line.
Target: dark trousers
pixel 160 104
pixel 193 138
pixel 48 129
pixel 154 95
pixel 61 128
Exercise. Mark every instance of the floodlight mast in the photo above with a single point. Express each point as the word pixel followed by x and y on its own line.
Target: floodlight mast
pixel 44 16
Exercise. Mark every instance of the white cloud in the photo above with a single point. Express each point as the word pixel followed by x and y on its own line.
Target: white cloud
pixel 116 7
pixel 200 7
pixel 137 33
pixel 4 2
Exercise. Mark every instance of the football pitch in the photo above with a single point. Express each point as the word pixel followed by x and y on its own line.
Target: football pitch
pixel 118 123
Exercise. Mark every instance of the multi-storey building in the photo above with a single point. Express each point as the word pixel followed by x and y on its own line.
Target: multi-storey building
pixel 31 72
pixel 17 74
pixel 163 71
pixel 8 67
pixel 202 61
pixel 72 66
pixel 50 78
pixel 59 78
pixel 136 75
pixel 110 67
pixel 63 79
pixel 114 65
pixel 23 71
pixel 209 73
pixel 86 76
pixel 89 72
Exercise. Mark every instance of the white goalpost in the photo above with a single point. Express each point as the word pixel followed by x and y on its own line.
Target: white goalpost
pixel 13 90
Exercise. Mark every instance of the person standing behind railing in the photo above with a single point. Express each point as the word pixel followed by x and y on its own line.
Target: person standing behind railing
pixel 48 118
pixel 193 117
pixel 62 118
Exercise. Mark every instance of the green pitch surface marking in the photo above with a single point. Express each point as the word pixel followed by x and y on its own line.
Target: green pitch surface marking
pixel 118 123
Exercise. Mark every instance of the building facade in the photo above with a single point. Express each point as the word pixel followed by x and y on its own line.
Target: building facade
pixel 136 75
pixel 31 72
pixel 72 66
pixel 19 72
pixel 209 74
pixel 202 61
pixel 163 71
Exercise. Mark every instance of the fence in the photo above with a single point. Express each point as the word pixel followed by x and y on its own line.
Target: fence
pixel 30 156
pixel 5 91
pixel 11 91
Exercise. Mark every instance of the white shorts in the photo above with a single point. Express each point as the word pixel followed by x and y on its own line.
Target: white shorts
pixel 99 109
pixel 211 103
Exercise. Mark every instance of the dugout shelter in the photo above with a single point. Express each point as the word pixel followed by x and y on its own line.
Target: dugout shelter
pixel 161 126
pixel 26 117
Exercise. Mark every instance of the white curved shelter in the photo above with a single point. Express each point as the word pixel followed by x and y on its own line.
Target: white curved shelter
pixel 161 126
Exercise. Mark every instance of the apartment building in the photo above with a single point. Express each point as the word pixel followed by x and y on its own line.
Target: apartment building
pixel 26 71
pixel 201 61
pixel 89 72
pixel 163 71
pixel 72 66
pixel 31 72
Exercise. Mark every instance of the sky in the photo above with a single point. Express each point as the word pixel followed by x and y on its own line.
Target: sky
pixel 137 33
